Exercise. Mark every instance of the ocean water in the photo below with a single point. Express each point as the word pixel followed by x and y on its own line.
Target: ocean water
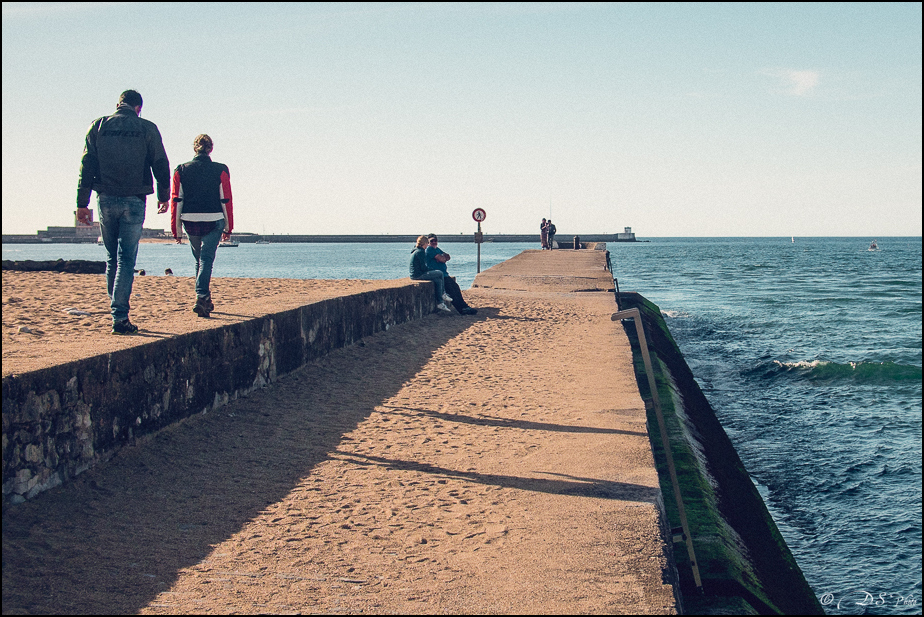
pixel 284 260
pixel 809 351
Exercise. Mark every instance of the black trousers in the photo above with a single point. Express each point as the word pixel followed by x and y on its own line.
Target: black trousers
pixel 455 292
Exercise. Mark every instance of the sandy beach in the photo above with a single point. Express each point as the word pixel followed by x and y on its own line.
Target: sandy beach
pixel 52 318
pixel 490 464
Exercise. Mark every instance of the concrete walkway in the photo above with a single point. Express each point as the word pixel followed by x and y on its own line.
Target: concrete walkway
pixel 495 464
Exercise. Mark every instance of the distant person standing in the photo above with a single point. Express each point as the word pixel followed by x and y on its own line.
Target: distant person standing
pixel 201 201
pixel 420 272
pixel 120 154
pixel 436 260
pixel 552 231
pixel 544 234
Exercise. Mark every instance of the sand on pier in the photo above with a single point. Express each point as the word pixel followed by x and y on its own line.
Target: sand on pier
pixel 490 464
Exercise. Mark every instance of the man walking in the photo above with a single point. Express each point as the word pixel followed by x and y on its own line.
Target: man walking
pixel 120 154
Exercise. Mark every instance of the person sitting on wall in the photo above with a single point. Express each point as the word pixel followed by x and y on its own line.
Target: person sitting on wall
pixel 436 260
pixel 420 272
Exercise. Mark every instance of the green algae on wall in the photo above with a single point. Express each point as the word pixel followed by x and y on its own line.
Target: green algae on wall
pixel 744 562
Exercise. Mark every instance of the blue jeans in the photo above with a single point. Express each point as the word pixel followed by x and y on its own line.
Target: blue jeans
pixel 437 277
pixel 203 250
pixel 120 223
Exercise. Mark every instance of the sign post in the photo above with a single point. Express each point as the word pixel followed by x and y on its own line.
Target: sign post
pixel 479 215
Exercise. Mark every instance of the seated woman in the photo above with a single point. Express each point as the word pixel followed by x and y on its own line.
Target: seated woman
pixel 420 272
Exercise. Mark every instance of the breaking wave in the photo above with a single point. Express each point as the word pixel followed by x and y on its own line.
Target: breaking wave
pixel 858 372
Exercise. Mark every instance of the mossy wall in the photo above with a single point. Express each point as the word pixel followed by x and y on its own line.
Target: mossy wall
pixel 744 563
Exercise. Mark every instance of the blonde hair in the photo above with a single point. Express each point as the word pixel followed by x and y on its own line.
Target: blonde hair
pixel 422 241
pixel 202 144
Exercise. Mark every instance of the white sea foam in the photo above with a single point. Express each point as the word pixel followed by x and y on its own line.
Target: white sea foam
pixel 803 364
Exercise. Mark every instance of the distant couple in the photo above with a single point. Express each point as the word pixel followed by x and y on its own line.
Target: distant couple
pixel 428 263
pixel 547 234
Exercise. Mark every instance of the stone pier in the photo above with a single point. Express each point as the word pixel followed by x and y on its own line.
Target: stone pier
pixel 496 463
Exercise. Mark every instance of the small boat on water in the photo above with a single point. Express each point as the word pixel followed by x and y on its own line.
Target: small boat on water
pixel 228 243
pixel 873 246
pixel 99 241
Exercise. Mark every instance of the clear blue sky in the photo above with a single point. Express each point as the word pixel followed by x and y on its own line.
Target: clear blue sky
pixel 677 120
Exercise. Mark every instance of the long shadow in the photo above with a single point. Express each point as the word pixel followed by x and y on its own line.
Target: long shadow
pixel 153 334
pixel 576 486
pixel 114 538
pixel 517 318
pixel 525 425
pixel 216 318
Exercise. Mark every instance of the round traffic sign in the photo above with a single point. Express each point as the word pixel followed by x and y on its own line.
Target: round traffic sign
pixel 479 214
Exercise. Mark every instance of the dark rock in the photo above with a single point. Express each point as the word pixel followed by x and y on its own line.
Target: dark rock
pixel 75 266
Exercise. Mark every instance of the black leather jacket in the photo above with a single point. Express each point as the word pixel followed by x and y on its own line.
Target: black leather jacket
pixel 119 156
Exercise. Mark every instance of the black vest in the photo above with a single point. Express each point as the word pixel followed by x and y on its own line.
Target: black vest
pixel 201 181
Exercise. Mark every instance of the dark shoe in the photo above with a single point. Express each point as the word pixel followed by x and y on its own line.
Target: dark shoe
pixel 124 327
pixel 209 305
pixel 201 309
pixel 469 311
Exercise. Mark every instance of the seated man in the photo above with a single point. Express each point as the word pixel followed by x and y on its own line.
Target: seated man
pixel 420 272
pixel 436 260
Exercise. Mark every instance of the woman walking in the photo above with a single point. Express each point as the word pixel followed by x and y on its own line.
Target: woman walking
pixel 201 200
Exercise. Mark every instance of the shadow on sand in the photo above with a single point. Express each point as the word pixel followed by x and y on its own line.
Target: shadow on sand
pixel 121 533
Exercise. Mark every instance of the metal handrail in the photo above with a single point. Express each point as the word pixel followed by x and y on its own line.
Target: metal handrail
pixel 609 268
pixel 643 343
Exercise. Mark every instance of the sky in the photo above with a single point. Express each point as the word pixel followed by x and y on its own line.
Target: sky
pixel 700 120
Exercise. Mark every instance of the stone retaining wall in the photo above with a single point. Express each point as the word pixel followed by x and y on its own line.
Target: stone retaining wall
pixel 745 564
pixel 60 421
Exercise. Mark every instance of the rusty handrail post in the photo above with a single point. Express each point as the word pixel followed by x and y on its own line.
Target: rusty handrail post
pixel 643 343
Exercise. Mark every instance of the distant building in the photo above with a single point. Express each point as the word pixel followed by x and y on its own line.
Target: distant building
pixel 626 236
pixel 81 232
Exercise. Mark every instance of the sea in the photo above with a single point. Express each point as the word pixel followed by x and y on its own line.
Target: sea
pixel 809 350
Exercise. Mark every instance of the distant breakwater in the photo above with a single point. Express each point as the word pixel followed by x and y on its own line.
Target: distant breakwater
pixel 249 238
